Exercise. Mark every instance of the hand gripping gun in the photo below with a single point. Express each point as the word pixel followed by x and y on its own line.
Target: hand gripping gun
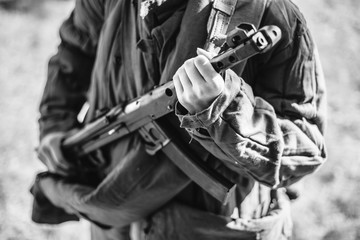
pixel 141 114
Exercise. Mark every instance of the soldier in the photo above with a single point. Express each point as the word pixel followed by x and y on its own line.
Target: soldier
pixel 260 124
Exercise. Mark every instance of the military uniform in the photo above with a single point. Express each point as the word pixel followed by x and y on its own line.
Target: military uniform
pixel 263 132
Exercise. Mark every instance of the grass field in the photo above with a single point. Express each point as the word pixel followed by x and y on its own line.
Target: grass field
pixel 328 209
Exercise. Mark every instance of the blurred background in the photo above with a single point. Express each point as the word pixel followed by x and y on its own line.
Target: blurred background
pixel 329 207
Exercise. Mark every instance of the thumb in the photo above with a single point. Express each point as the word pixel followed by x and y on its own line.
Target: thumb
pixel 208 55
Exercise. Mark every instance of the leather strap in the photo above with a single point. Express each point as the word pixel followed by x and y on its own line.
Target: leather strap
pixel 218 22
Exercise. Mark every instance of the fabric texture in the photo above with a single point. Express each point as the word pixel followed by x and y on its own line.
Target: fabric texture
pixel 267 137
pixel 177 221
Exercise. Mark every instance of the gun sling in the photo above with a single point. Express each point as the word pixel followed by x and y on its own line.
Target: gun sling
pixel 213 182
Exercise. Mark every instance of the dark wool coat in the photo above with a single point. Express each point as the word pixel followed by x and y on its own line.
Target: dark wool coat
pixel 268 135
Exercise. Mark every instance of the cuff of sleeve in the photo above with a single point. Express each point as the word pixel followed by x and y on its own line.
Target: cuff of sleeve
pixel 203 119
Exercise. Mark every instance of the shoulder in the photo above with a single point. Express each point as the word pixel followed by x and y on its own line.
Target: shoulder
pixel 82 28
pixel 287 16
pixel 89 14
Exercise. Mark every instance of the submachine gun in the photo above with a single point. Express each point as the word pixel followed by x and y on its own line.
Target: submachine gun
pixel 141 113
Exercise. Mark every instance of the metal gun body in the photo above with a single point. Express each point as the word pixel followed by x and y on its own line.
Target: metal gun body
pixel 121 121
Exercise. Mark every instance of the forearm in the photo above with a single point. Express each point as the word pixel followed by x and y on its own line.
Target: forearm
pixel 246 134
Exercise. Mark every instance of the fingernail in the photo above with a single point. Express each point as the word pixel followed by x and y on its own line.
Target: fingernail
pixel 200 51
pixel 201 59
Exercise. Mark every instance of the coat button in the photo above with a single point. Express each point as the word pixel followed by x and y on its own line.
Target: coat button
pixel 118 60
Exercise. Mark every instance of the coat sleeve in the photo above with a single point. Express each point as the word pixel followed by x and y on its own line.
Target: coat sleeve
pixel 69 71
pixel 273 130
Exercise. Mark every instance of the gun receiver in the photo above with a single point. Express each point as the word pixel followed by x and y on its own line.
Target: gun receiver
pixel 140 114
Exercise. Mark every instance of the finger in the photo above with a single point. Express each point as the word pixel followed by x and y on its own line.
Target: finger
pixel 208 55
pixel 178 87
pixel 193 73
pixel 184 79
pixel 47 160
pixel 43 157
pixel 204 67
pixel 56 152
pixel 54 166
pixel 59 159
